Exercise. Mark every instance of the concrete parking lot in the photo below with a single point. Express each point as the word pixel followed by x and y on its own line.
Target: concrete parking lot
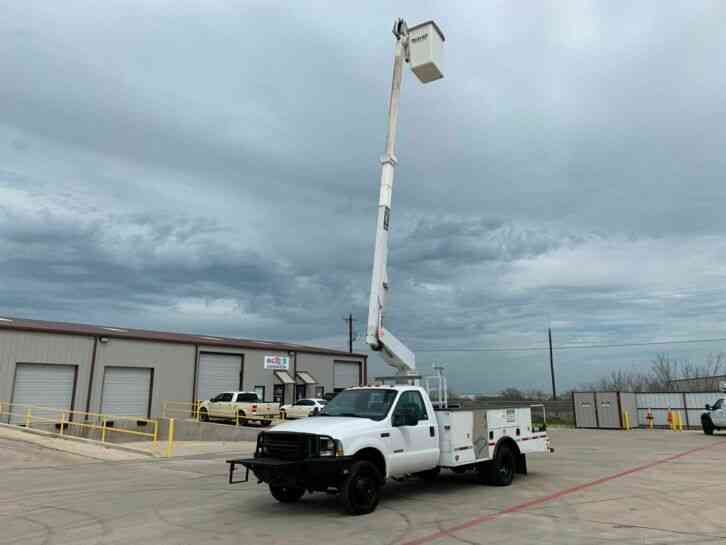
pixel 635 487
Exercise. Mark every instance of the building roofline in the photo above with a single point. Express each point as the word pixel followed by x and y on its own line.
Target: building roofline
pixel 116 332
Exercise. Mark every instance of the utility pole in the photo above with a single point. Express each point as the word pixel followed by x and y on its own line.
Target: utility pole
pixel 552 364
pixel 351 338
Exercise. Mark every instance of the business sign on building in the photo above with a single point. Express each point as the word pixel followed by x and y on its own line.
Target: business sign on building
pixel 279 363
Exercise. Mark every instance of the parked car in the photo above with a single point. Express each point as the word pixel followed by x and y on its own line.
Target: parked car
pixel 714 418
pixel 303 408
pixel 244 406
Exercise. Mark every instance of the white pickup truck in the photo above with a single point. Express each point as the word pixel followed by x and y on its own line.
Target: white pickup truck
pixel 366 435
pixel 239 406
pixel 714 418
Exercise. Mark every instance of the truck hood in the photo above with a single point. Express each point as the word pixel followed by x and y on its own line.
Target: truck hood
pixel 337 427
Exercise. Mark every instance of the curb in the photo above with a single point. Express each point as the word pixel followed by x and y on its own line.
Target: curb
pixel 111 446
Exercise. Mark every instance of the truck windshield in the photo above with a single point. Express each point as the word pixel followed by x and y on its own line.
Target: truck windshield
pixel 369 403
pixel 718 405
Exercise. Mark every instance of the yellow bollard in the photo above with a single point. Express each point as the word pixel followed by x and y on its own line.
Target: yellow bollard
pixel 62 423
pixel 627 421
pixel 28 417
pixel 103 431
pixel 680 422
pixel 156 434
pixel 650 419
pixel 170 439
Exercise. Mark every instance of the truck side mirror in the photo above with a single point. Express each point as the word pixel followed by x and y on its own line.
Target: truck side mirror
pixel 708 407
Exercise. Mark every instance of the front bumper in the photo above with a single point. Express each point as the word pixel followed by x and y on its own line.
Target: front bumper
pixel 311 473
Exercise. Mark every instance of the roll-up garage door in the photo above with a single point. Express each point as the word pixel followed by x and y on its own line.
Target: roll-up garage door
pixel 44 385
pixel 347 374
pixel 218 373
pixel 126 391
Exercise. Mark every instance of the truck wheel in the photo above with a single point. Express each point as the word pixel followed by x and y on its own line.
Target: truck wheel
pixel 361 490
pixel 242 420
pixel 286 494
pixel 203 415
pixel 430 475
pixel 707 424
pixel 500 472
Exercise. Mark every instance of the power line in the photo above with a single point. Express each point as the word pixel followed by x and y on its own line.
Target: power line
pixel 571 346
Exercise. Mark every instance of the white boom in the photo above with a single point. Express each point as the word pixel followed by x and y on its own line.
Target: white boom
pixel 394 352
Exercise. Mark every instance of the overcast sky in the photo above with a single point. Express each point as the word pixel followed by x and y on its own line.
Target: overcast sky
pixel 212 167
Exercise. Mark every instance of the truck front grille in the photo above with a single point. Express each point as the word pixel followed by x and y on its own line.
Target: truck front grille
pixel 286 446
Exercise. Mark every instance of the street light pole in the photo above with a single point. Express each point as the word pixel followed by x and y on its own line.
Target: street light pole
pixel 552 364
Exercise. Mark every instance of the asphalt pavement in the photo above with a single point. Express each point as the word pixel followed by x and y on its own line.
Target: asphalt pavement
pixel 636 487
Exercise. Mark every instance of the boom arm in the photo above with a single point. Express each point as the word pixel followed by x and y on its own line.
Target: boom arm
pixel 394 352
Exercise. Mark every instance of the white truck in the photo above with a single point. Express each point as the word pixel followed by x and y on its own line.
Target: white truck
pixel 241 407
pixel 714 418
pixel 366 435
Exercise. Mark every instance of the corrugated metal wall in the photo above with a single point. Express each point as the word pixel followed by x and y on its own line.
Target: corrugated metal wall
pixel 690 405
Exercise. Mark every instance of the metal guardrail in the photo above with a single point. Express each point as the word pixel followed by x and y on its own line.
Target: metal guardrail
pixel 180 409
pixel 65 419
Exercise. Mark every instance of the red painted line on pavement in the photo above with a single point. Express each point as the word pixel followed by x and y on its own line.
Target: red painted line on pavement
pixel 552 497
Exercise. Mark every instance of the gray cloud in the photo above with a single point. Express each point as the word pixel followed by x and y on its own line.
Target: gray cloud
pixel 213 168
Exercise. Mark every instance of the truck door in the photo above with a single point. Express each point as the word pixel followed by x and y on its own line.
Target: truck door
pixel 414 442
pixel 718 415
pixel 221 406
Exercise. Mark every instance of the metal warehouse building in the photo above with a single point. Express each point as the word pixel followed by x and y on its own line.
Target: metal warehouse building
pixel 123 371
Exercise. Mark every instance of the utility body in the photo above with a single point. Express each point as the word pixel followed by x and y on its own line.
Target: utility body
pixel 367 435
pixel 239 406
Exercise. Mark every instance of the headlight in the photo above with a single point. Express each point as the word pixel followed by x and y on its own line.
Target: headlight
pixel 330 447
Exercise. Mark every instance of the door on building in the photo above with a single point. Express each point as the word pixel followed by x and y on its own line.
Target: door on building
pixel 42 384
pixel 278 393
pixel 218 373
pixel 346 374
pixel 300 391
pixel 127 391
pixel 260 391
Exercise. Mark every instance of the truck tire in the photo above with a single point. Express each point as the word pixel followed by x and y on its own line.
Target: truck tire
pixel 241 417
pixel 203 415
pixel 361 490
pixel 286 494
pixel 500 471
pixel 707 424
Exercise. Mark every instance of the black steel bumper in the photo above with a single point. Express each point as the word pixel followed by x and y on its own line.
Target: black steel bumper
pixel 311 473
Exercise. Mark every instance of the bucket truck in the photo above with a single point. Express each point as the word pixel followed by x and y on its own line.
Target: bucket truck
pixel 369 435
